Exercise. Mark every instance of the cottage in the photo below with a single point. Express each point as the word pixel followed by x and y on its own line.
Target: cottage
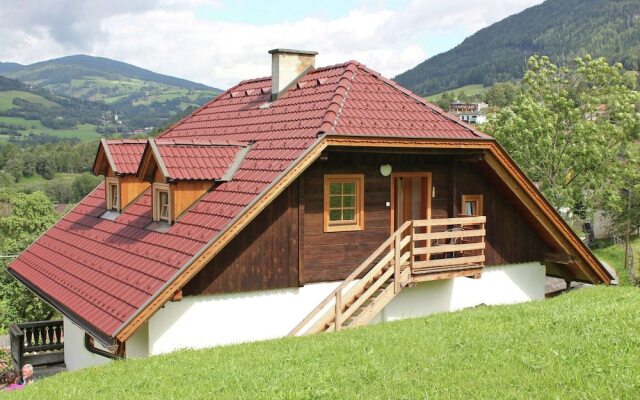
pixel 314 200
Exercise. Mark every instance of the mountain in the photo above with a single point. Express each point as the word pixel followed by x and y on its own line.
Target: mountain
pixel 141 98
pixel 561 29
pixel 9 67
pixel 60 71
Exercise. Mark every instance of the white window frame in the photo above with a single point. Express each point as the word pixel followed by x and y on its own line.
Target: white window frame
pixel 109 183
pixel 157 189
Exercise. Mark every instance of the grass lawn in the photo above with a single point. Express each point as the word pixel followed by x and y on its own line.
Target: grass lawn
pixel 580 345
pixel 614 256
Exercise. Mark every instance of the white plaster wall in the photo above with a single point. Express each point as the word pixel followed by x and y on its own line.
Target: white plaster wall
pixel 205 321
pixel 75 355
pixel 498 285
pixel 138 345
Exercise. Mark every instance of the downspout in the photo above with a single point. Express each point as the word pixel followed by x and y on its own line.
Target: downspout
pixel 91 348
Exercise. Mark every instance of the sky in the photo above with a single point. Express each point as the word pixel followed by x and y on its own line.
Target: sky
pixel 219 42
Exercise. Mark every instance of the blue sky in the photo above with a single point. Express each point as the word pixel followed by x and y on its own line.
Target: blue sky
pixel 219 42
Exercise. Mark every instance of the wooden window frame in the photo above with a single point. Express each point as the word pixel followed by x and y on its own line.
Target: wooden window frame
pixel 340 226
pixel 472 197
pixel 157 188
pixel 109 183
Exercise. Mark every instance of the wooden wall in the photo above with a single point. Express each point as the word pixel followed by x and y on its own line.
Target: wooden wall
pixel 263 256
pixel 510 237
pixel 333 256
pixel 130 188
pixel 185 193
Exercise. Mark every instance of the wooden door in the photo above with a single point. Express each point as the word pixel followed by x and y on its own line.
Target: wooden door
pixel 411 200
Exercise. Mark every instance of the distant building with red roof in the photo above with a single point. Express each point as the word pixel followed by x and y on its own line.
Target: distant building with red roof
pixel 316 199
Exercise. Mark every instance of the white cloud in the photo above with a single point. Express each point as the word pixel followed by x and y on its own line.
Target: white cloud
pixel 167 37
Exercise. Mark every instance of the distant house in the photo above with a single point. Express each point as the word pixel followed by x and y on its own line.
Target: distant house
pixel 471 113
pixel 317 199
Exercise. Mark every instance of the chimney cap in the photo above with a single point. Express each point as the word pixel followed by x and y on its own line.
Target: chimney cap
pixel 290 51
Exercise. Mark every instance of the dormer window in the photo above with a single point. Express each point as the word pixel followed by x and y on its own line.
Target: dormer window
pixel 161 202
pixel 113 194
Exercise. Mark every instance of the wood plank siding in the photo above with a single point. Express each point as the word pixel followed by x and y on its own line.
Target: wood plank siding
pixel 267 255
pixel 130 188
pixel 185 193
pixel 333 255
pixel 263 256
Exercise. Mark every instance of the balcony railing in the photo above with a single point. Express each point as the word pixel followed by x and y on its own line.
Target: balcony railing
pixel 447 244
pixel 37 343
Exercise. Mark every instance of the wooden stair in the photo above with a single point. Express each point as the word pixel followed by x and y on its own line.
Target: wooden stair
pixel 411 254
pixel 355 302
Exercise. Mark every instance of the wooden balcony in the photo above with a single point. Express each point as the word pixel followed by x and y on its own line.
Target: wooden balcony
pixel 448 247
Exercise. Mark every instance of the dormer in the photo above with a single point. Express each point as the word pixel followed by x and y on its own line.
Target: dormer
pixel 182 171
pixel 118 161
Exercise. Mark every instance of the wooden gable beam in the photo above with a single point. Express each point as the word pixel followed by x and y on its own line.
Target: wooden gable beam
pixel 103 160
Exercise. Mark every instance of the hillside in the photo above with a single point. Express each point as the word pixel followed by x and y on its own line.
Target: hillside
pixel 561 29
pixel 139 97
pixel 583 344
pixel 35 112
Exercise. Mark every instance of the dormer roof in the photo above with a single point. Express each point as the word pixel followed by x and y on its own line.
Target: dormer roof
pixel 192 159
pixel 122 156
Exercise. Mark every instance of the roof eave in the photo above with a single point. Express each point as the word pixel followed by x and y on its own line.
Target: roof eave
pixel 102 337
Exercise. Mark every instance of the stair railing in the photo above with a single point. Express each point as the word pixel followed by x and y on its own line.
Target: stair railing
pixel 394 256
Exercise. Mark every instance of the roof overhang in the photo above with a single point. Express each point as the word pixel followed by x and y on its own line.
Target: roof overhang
pixel 103 338
pixel 496 157
pixel 103 161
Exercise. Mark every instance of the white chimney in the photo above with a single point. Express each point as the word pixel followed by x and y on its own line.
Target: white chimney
pixel 287 66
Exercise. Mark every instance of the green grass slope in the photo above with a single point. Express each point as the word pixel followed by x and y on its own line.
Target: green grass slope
pixel 582 345
pixel 468 90
pixel 561 29
pixel 7 96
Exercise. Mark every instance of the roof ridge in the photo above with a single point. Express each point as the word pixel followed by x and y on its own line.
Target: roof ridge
pixel 424 102
pixel 331 116
pixel 199 142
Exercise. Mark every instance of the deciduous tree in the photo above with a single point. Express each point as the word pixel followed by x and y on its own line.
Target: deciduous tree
pixel 571 130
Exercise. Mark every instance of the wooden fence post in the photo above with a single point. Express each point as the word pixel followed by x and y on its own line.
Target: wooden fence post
pixel 338 323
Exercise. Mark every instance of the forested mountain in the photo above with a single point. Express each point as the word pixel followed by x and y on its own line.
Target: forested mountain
pixel 561 29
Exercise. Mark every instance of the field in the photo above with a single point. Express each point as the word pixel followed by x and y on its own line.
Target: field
pixel 614 256
pixel 7 96
pixel 469 90
pixel 141 92
pixel 36 182
pixel 84 132
pixel 581 345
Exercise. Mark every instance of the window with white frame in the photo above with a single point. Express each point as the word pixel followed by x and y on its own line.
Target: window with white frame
pixel 161 202
pixel 113 194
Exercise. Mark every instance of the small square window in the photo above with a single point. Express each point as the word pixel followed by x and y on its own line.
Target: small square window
pixel 472 205
pixel 343 203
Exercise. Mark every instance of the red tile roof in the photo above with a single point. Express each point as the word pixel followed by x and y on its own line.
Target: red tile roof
pixel 126 154
pixel 103 271
pixel 198 159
